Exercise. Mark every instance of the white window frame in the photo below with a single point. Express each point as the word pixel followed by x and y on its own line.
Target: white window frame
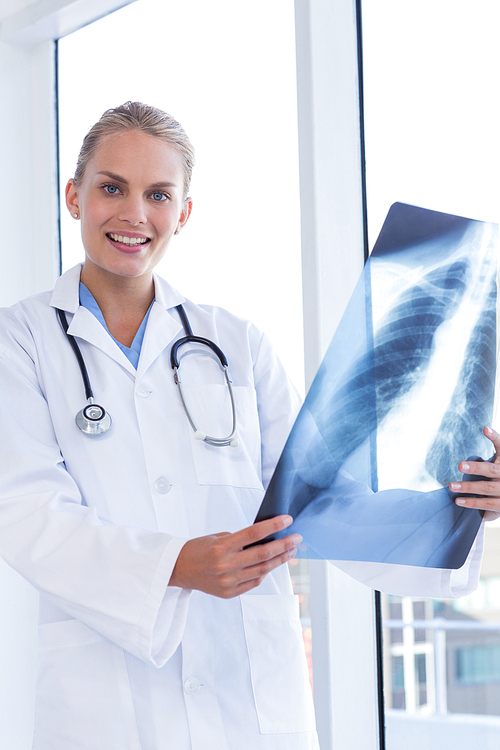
pixel 342 611
pixel 332 219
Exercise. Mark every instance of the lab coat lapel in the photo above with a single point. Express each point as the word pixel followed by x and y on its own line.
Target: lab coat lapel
pixel 83 324
pixel 164 324
pixel 86 326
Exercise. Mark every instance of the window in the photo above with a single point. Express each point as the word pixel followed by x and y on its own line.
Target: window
pixel 241 248
pixel 331 221
pixel 477 665
pixel 430 76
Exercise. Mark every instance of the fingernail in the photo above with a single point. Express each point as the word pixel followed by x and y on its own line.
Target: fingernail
pixel 489 431
pixel 455 486
pixel 296 538
pixel 292 552
pixel 460 501
pixel 287 520
pixel 465 467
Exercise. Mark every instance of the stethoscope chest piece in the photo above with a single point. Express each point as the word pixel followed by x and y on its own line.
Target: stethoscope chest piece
pixel 93 419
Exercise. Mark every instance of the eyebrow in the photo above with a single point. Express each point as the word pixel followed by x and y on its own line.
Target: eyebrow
pixel 117 178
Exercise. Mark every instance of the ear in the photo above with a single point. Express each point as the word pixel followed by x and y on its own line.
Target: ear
pixel 72 198
pixel 185 213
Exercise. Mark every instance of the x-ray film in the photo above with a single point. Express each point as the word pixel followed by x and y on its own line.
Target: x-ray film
pixel 402 396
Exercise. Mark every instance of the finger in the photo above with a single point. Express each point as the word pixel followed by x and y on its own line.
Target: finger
pixel 236 580
pixel 259 531
pixel 262 568
pixel 495 439
pixel 480 468
pixel 477 488
pixel 480 503
pixel 261 553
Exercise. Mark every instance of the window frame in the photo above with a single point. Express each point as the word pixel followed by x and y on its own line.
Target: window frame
pixel 345 634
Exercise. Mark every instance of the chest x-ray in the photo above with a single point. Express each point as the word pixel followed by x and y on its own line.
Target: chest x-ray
pixel 400 399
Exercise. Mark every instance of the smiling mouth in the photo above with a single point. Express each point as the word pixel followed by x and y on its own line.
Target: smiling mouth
pixel 132 241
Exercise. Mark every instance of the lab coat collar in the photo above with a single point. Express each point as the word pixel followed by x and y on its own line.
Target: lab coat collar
pixel 163 325
pixel 165 295
pixel 66 290
pixel 86 326
pixel 83 324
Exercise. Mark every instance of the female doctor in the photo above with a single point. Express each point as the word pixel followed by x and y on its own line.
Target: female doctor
pixel 158 631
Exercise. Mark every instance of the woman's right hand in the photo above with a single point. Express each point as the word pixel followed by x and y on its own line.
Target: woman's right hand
pixel 220 565
pixel 487 489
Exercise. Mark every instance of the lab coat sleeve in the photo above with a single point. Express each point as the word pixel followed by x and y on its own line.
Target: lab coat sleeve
pixel 278 404
pixel 113 579
pixel 407 580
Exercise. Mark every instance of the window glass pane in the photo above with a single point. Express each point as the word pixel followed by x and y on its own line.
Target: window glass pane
pixel 477 665
pixel 431 77
pixel 226 71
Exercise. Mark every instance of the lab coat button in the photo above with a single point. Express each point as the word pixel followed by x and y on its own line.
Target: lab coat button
pixel 143 391
pixel 162 486
pixel 192 685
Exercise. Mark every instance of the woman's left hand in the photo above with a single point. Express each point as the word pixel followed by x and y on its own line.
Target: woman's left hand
pixel 488 489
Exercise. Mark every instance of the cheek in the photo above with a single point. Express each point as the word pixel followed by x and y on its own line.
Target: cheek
pixel 94 216
pixel 165 226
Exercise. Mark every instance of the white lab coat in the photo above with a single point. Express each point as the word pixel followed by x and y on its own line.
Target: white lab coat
pixel 96 524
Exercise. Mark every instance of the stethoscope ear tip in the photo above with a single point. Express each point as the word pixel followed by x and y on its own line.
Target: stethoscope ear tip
pixel 199 435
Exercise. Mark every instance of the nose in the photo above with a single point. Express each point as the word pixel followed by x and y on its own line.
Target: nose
pixel 133 210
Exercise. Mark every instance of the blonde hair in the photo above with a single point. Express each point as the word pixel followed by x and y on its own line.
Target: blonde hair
pixel 146 119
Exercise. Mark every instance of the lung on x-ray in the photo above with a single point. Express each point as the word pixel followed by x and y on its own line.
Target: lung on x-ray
pixel 401 397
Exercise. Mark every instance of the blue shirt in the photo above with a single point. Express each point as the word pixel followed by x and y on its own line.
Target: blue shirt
pixel 133 352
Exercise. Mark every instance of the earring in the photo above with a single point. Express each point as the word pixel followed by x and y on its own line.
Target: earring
pixel 177 231
pixel 75 216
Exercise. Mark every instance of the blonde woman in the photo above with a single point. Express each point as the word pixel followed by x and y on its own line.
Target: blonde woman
pixel 160 629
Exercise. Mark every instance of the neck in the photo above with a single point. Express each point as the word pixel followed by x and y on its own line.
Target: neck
pixel 123 301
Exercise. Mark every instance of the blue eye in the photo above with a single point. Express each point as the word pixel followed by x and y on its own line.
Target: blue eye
pixel 111 189
pixel 159 196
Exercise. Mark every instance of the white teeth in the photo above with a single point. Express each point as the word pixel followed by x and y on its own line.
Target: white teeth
pixel 128 240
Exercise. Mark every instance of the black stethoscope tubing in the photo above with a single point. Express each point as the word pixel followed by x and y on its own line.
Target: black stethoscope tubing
pixel 174 361
pixel 78 354
pixel 93 419
pixel 190 337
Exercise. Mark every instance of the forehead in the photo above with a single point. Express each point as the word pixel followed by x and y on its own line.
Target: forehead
pixel 137 156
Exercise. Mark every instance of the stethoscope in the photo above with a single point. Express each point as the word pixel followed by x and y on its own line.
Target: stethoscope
pixel 93 419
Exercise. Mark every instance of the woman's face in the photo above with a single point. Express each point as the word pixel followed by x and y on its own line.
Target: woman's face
pixel 130 203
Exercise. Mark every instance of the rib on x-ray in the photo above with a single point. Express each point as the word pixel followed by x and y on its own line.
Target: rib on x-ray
pixel 400 399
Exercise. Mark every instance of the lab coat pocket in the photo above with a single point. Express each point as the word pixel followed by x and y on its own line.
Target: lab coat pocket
pixel 210 406
pixel 83 694
pixel 278 664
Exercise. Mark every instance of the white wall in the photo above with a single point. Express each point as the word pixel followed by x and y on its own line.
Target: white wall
pixel 26 224
pixel 29 262
pixel 29 252
pixel 26 212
